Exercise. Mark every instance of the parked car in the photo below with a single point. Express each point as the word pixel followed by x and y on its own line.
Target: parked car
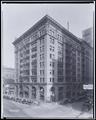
pixel 36 102
pixel 72 100
pixel 29 102
pixel 65 101
pixel 81 98
pixel 88 104
pixel 24 101
pixel 18 99
pixel 11 98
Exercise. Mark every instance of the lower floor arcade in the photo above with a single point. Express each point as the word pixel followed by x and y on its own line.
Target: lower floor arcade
pixel 45 92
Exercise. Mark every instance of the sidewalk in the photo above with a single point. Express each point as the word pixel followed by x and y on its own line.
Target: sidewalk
pixel 85 115
pixel 51 110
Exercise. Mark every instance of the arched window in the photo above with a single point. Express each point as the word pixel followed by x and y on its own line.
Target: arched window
pixel 26 91
pixel 33 92
pixel 41 93
pixel 21 91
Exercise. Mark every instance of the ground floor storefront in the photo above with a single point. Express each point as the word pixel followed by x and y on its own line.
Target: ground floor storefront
pixel 48 92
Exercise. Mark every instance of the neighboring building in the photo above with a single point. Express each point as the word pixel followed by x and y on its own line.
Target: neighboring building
pixel 87 70
pixel 48 61
pixel 72 67
pixel 8 81
pixel 8 75
pixel 87 35
pixel 87 63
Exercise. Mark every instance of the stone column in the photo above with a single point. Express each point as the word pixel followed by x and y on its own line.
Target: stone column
pixel 64 91
pixel 16 90
pixel 56 93
pixel 48 93
pixel 30 92
pixel 37 93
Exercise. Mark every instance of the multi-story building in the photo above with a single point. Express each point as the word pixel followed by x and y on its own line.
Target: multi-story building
pixel 87 69
pixel 8 76
pixel 87 63
pixel 48 62
pixel 87 36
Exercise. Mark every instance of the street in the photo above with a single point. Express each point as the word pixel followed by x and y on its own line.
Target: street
pixel 12 110
pixel 45 110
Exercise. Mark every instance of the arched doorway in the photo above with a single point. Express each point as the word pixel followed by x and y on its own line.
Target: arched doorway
pixel 41 93
pixel 26 91
pixel 21 91
pixel 52 94
pixel 33 93
pixel 60 93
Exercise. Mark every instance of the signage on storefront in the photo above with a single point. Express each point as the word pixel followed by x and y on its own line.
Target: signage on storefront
pixel 88 87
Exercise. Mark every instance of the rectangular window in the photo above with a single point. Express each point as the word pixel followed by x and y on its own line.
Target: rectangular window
pixel 78 58
pixel 27 52
pixel 42 40
pixel 50 73
pixel 53 79
pixel 60 59
pixel 52 64
pixel 41 56
pixel 78 53
pixel 34 71
pixel 51 48
pixel 42 48
pixel 78 64
pixel 51 32
pixel 42 80
pixel 21 55
pixel 34 49
pixel 52 40
pixel 50 55
pixel 53 72
pixel 34 55
pixel 41 64
pixel 42 31
pixel 34 62
pixel 41 72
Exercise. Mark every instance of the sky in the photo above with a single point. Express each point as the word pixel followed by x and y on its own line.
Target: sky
pixel 18 18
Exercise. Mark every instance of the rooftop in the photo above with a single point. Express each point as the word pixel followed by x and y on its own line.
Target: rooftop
pixel 6 68
pixel 45 18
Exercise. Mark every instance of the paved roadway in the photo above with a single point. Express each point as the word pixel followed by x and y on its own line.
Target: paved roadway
pixel 50 110
pixel 12 110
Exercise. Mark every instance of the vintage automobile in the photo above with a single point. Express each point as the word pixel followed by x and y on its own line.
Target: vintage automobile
pixel 36 102
pixel 87 105
pixel 18 99
pixel 65 101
